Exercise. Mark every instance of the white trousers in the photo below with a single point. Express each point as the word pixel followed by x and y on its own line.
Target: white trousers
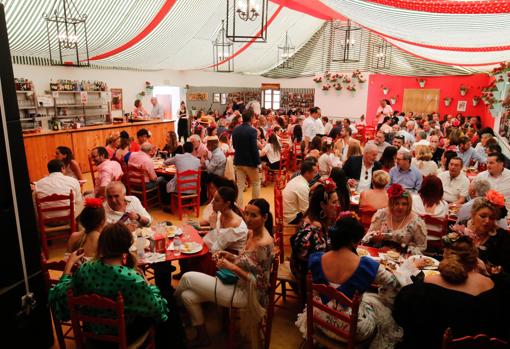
pixel 195 288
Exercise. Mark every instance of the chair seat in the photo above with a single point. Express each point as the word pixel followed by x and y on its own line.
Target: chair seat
pixel 284 272
pixel 52 229
pixel 186 196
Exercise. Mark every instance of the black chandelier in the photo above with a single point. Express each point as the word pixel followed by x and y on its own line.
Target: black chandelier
pixel 346 40
pixel 247 20
pixel 223 48
pixel 67 34
pixel 285 53
pixel 381 54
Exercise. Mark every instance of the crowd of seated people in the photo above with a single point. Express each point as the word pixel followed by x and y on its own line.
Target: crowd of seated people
pixel 416 165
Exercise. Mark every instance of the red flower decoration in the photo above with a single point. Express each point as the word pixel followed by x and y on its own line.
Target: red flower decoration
pixel 495 198
pixel 329 185
pixel 94 202
pixel 396 191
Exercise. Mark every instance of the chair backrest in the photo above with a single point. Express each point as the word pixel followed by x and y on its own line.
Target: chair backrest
pixel 93 170
pixel 136 176
pixel 83 308
pixel 472 342
pixel 365 216
pixel 188 182
pixel 341 299
pixel 441 225
pixel 273 278
pixel 49 267
pixel 59 207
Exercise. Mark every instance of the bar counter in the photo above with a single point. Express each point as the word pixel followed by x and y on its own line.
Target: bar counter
pixel 40 147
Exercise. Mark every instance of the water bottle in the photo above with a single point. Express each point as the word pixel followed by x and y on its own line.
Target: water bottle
pixel 140 246
pixel 177 246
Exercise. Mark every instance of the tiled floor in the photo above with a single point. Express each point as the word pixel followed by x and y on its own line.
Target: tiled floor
pixel 284 334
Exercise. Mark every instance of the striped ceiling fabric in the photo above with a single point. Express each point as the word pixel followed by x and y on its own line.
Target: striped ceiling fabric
pixel 177 34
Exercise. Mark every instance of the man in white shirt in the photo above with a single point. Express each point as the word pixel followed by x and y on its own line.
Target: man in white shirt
pixel 327 125
pixel 498 176
pixel 57 183
pixel 296 194
pixel 455 183
pixel 157 112
pixel 118 205
pixel 421 139
pixel 310 128
pixel 384 110
pixel 182 162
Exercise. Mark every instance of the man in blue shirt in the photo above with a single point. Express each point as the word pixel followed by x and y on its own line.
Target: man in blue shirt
pixel 404 174
pixel 246 156
pixel 467 153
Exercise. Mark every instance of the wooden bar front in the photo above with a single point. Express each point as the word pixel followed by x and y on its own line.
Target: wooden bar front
pixel 40 147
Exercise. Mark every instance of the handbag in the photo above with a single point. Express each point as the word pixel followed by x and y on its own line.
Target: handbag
pixel 227 276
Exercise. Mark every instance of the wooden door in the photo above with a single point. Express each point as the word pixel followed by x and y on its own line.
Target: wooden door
pixel 420 100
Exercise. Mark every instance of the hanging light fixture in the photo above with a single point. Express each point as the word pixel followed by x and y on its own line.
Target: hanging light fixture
pixel 381 55
pixel 285 53
pixel 346 41
pixel 223 48
pixel 67 34
pixel 246 20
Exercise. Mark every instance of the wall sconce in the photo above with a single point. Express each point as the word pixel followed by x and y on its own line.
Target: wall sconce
pixel 393 100
pixel 476 100
pixel 385 90
pixel 463 90
pixel 421 82
pixel 447 101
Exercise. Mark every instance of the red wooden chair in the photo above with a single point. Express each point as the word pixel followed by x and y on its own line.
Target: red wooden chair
pixel 472 342
pixel 61 222
pixel 370 132
pixel 365 216
pixel 187 191
pixel 136 185
pixel 436 229
pixel 62 328
pixel 81 318
pixel 283 232
pixel 93 170
pixel 298 156
pixel 360 135
pixel 313 319
pixel 285 165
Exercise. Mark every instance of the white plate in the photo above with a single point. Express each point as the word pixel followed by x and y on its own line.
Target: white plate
pixel 146 232
pixel 133 246
pixel 191 247
pixel 433 263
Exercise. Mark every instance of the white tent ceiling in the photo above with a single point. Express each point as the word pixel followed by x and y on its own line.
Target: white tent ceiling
pixel 455 32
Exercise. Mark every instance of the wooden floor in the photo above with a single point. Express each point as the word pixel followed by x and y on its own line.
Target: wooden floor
pixel 284 335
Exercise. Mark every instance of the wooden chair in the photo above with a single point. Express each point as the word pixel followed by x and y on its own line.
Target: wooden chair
pixel 187 181
pixel 472 342
pixel 59 226
pixel 93 170
pixel 137 186
pixel 365 216
pixel 370 132
pixel 441 228
pixel 285 164
pixel 81 318
pixel 297 157
pixel 62 328
pixel 360 135
pixel 313 319
pixel 283 232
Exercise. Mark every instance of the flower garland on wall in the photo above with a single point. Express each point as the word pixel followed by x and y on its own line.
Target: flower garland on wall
pixel 492 95
pixel 340 81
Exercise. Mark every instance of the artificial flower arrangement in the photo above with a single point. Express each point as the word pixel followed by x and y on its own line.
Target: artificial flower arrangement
pixel 329 185
pixel 318 79
pixel 351 88
pixel 347 79
pixel 148 85
pixel 338 87
pixel 326 87
pixel 357 74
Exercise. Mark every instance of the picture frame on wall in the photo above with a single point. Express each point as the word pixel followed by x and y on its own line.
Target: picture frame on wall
pixel 216 98
pixel 116 94
pixel 224 98
pixel 461 106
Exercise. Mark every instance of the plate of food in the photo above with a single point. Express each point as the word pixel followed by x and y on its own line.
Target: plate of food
pixel 389 264
pixel 145 232
pixel 424 262
pixel 393 255
pixel 191 247
pixel 172 231
pixel 362 252
pixel 430 272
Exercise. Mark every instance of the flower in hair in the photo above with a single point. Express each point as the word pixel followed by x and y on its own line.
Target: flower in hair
pixel 329 185
pixel 94 202
pixel 396 191
pixel 495 198
pixel 345 214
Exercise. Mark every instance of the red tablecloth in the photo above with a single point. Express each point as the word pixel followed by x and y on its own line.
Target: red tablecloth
pixel 189 234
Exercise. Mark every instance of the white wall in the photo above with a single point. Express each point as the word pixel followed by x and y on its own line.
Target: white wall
pixel 332 103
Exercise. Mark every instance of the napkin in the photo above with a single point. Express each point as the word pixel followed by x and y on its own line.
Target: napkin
pixel 154 257
pixel 405 271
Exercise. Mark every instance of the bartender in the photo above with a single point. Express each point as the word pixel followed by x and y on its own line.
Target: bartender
pixel 182 125
pixel 157 111
pixel 139 111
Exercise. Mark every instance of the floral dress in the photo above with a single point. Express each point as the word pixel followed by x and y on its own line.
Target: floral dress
pixel 410 238
pixel 308 239
pixel 258 262
pixel 374 315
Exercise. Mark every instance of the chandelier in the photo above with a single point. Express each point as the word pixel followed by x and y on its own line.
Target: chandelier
pixel 223 48
pixel 247 20
pixel 67 32
pixel 381 54
pixel 346 42
pixel 285 53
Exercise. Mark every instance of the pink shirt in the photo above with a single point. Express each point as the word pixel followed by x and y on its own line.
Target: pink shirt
pixel 143 161
pixel 386 111
pixel 107 171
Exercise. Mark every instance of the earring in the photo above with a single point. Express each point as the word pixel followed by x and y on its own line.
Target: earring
pixel 124 258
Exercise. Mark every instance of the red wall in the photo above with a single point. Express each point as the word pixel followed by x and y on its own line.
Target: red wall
pixel 449 87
